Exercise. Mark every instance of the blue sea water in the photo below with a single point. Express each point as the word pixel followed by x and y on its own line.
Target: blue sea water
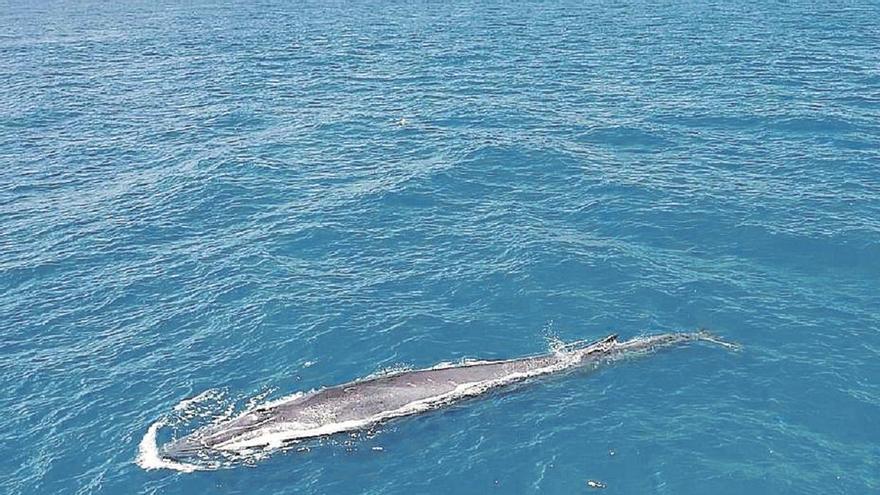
pixel 249 199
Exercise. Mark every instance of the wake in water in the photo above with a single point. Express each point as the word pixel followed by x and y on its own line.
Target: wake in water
pixel 149 457
pixel 265 427
pixel 207 409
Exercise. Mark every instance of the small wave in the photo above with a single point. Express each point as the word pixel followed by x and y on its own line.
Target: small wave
pixel 187 404
pixel 148 457
pixel 255 401
pixel 209 407
pixel 388 371
pixel 457 364
pixel 275 402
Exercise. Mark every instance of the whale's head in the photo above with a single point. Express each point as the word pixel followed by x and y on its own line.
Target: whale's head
pixel 183 449
pixel 211 439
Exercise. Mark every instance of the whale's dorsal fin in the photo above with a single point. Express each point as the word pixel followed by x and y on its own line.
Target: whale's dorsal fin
pixel 604 344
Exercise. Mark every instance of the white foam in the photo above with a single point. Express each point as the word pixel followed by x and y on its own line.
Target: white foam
pixel 185 404
pixel 148 453
pixel 272 403
pixel 257 399
pixel 460 363
pixel 386 372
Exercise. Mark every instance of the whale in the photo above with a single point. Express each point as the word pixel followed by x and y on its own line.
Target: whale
pixel 364 403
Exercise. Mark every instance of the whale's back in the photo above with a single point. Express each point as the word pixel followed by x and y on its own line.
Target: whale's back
pixel 369 398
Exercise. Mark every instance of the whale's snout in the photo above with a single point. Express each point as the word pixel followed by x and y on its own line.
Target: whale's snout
pixel 182 449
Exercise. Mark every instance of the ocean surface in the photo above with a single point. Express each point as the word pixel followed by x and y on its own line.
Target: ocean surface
pixel 237 201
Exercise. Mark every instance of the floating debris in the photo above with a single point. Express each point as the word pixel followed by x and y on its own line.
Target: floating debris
pixel 611 452
pixel 596 484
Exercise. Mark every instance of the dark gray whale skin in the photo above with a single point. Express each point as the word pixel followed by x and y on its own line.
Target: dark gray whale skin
pixel 364 402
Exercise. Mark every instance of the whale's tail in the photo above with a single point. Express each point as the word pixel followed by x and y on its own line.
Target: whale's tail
pixel 650 343
pixel 706 336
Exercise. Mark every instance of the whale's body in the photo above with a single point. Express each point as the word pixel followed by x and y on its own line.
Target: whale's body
pixel 360 404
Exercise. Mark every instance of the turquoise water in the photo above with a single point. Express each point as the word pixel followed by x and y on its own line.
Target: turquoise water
pixel 245 200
